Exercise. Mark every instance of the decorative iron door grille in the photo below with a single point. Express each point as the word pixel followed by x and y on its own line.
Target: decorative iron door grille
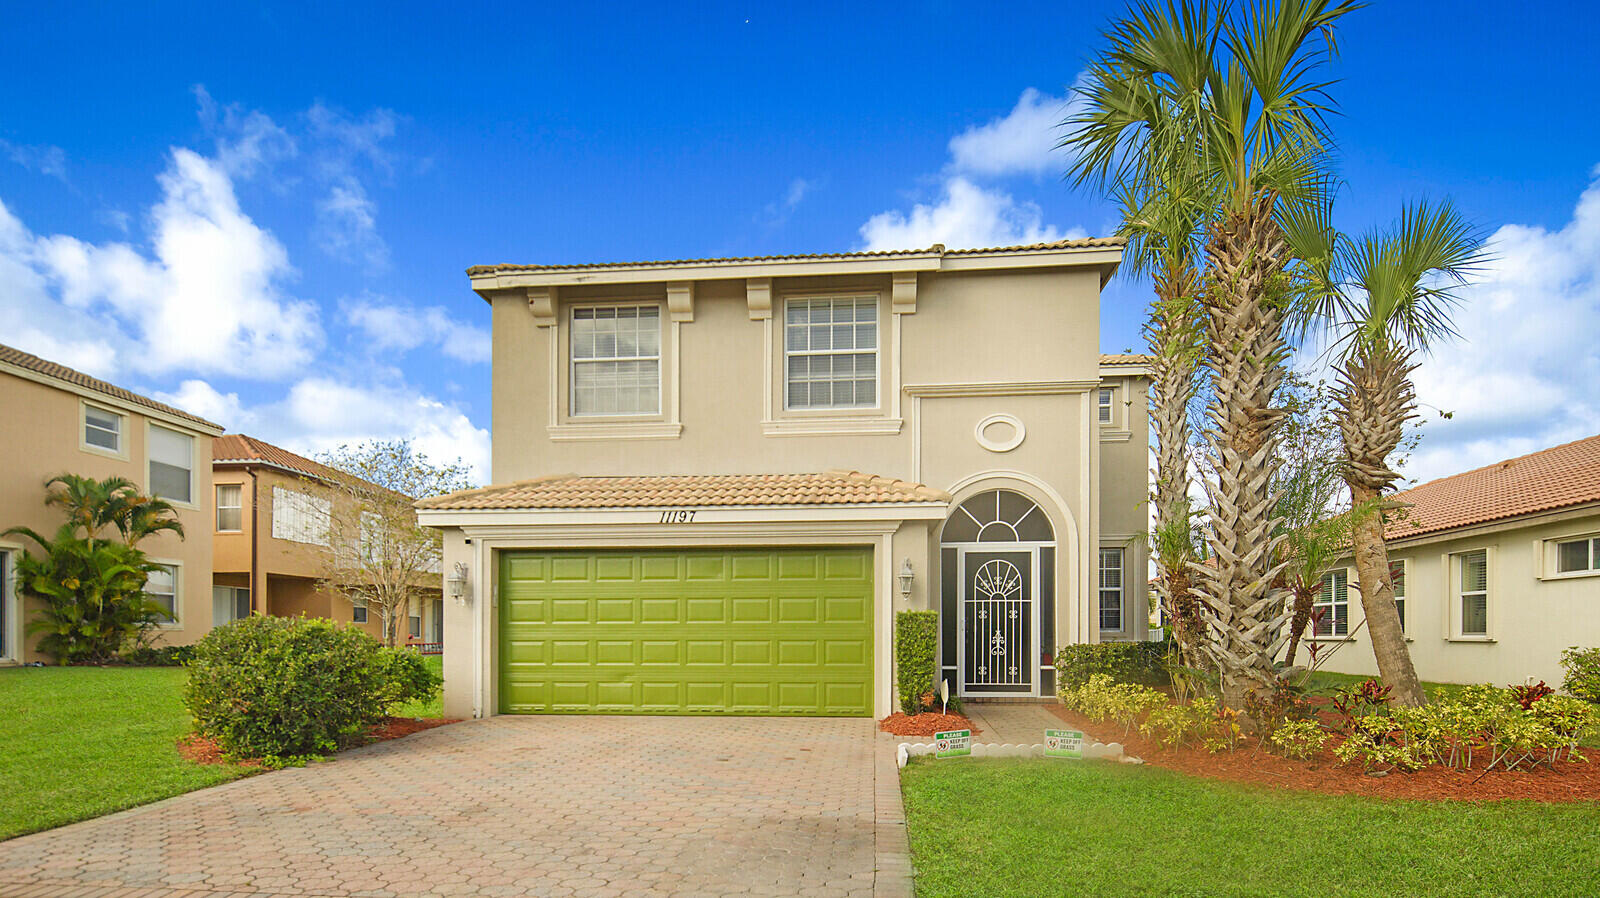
pixel 998 642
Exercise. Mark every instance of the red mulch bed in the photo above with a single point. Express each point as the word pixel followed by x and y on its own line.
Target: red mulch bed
pixel 925 724
pixel 202 750
pixel 1251 763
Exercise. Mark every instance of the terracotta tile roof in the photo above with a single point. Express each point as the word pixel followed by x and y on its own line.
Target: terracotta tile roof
pixel 1124 358
pixel 237 448
pixel 1558 477
pixel 31 362
pixel 679 491
pixel 936 249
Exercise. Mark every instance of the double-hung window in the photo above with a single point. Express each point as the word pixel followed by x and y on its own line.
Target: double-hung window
pixel 102 429
pixel 1578 555
pixel 1107 396
pixel 1473 580
pixel 1333 601
pixel 230 507
pixel 616 360
pixel 358 613
pixel 830 352
pixel 1110 590
pixel 161 587
pixel 1397 575
pixel 171 464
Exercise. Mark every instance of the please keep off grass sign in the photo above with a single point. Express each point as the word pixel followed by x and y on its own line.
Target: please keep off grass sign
pixel 1063 744
pixel 952 744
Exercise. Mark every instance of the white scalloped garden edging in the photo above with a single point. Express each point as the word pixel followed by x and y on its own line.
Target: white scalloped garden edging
pixel 1092 751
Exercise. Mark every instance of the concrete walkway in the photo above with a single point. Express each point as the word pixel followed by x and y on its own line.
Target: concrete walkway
pixel 556 806
pixel 1019 723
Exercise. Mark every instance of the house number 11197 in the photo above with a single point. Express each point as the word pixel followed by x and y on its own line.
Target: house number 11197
pixel 678 516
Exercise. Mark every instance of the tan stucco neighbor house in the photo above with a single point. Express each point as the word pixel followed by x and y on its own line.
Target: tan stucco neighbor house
pixel 274 509
pixel 1497 570
pixel 719 479
pixel 57 420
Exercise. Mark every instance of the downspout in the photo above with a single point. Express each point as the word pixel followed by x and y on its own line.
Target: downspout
pixel 257 600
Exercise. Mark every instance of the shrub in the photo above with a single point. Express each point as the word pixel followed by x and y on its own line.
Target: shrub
pixel 90 592
pixel 916 644
pixel 1583 673
pixel 1102 698
pixel 1175 724
pixel 1527 695
pixel 159 655
pixel 1299 739
pixel 1125 662
pixel 285 689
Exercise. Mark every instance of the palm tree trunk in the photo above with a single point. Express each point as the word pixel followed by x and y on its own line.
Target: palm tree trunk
pixel 1244 609
pixel 1304 599
pixel 1375 400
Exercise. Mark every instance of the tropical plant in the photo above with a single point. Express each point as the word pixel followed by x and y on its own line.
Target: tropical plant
pixel 1299 739
pixel 1388 300
pixel 113 502
pixel 1227 96
pixel 1582 668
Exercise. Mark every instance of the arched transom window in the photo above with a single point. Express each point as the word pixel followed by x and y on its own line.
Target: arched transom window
pixel 998 516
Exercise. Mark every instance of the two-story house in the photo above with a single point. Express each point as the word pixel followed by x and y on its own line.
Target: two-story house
pixel 719 479
pixel 58 420
pixel 272 530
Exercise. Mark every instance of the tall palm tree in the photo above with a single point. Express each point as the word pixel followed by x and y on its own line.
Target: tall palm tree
pixel 1391 301
pixel 1230 94
pixel 114 502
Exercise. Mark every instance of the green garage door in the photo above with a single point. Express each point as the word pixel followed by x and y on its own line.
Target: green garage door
pixel 720 631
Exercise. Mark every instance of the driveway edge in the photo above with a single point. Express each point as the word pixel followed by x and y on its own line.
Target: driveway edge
pixel 893 876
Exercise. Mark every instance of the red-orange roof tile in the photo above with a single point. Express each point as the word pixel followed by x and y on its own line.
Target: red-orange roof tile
pixel 1559 477
pixel 678 491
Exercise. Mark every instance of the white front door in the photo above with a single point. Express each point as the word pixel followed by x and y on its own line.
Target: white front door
pixel 999 626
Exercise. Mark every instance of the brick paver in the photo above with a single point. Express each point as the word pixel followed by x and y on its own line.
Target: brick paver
pixel 574 806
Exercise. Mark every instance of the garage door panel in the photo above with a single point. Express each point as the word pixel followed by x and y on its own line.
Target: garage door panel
pixel 759 631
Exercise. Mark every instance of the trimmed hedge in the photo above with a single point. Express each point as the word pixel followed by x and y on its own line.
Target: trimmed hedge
pixel 1583 673
pixel 159 655
pixel 284 689
pixel 1144 663
pixel 916 645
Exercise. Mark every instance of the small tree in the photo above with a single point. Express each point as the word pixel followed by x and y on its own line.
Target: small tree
pixel 377 552
pixel 92 586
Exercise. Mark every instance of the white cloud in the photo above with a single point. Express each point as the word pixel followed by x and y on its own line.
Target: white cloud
pixel 248 141
pixel 1020 142
pixel 777 212
pixel 1521 378
pixel 42 158
pixel 389 326
pixel 967 215
pixel 209 300
pixel 347 215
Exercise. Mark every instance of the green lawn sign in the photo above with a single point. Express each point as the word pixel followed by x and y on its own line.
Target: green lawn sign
pixel 952 744
pixel 1063 744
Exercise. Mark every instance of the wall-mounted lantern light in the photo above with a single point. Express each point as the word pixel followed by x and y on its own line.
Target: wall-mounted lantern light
pixel 458 585
pixel 906 576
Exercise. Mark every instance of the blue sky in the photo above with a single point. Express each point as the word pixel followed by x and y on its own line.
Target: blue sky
pixel 264 214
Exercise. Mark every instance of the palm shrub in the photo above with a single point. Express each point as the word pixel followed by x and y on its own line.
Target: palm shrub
pixel 91 595
pixel 284 689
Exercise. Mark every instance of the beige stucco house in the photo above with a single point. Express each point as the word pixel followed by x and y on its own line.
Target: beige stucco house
pixel 1497 570
pixel 61 421
pixel 273 512
pixel 719 480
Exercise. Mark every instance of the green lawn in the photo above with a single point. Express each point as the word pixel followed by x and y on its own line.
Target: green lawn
pixel 78 742
pixel 1036 827
pixel 1327 680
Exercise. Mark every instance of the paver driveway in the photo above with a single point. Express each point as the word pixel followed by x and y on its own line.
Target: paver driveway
pixel 506 806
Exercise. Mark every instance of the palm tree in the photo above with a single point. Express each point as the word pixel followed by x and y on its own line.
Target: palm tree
pixel 1231 98
pixel 1391 299
pixel 113 502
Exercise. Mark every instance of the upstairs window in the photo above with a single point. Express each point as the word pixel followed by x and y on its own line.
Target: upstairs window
pixel 1110 590
pixel 1577 555
pixel 1107 396
pixel 830 352
pixel 300 518
pixel 230 508
pixel 171 464
pixel 1333 600
pixel 616 360
pixel 102 429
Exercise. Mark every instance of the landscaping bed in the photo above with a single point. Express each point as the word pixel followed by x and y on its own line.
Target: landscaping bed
pixel 201 750
pixel 925 724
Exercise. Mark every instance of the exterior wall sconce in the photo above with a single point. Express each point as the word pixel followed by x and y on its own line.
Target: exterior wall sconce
pixel 458 585
pixel 906 576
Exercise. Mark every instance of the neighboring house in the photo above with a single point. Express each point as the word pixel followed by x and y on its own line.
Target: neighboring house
pixel 1496 571
pixel 61 421
pixel 273 513
pixel 682 525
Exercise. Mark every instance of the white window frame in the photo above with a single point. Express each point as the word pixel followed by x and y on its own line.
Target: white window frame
pixel 10 608
pixel 1120 590
pixel 1332 603
pixel 216 491
pixel 877 353
pixel 1106 406
pixel 1550 562
pixel 121 452
pixel 358 611
pixel 295 530
pixel 177 592
pixel 1454 562
pixel 1402 586
pixel 573 361
pixel 150 428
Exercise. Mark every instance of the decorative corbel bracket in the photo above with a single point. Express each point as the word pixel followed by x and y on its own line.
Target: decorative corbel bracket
pixel 758 296
pixel 542 302
pixel 680 300
pixel 903 299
